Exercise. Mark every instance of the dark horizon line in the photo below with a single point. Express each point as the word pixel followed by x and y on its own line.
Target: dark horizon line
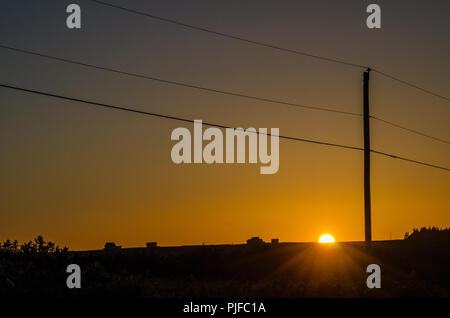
pixel 119 247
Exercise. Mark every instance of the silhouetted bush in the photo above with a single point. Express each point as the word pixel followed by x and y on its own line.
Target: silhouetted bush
pixel 430 234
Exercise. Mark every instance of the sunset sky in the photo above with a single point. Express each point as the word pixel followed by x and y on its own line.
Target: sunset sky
pixel 81 175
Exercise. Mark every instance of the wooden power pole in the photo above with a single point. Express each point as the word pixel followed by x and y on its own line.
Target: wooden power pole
pixel 367 203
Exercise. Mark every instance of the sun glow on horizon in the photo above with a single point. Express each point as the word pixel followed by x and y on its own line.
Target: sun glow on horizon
pixel 326 238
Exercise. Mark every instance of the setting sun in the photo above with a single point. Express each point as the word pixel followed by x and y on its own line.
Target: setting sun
pixel 326 238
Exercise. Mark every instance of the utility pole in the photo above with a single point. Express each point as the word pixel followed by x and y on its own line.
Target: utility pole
pixel 367 203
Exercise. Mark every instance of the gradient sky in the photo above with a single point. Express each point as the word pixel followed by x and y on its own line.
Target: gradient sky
pixel 81 175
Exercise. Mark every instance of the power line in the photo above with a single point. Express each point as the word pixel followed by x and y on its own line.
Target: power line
pixel 210 89
pixel 411 85
pixel 128 109
pixel 410 130
pixel 267 100
pixel 262 44
pixel 122 108
pixel 410 160
pixel 226 35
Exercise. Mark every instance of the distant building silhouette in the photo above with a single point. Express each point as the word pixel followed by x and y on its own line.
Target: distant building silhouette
pixel 151 244
pixel 111 246
pixel 275 241
pixel 255 241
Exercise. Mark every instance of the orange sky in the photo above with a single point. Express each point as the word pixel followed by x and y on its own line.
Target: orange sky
pixel 82 176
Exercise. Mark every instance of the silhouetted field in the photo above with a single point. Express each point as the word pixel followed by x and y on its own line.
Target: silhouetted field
pixel 410 268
